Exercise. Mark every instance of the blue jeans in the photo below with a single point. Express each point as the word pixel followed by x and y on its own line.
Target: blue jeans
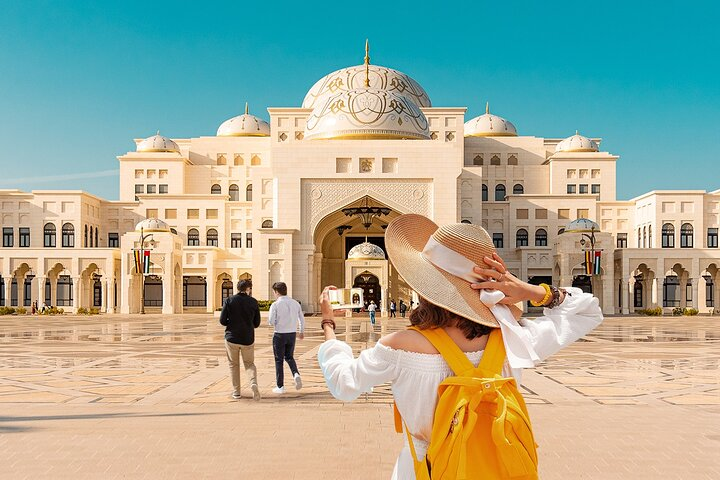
pixel 283 348
pixel 372 318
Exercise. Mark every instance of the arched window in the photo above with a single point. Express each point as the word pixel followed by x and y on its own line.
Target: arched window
pixel 495 160
pixel 234 193
pixel 668 235
pixel 85 243
pixel 267 224
pixel 215 189
pixel 193 237
pixel 541 237
pixel 49 235
pixel 561 231
pixel 248 193
pixel 68 235
pixel 91 236
pixel 484 193
pixel 212 238
pixel 500 193
pixel 686 236
pixel 521 238
pixel 518 189
pixel 649 236
pixel 644 244
pixel 465 220
pixel 639 238
pixel 512 159
pixel 96 237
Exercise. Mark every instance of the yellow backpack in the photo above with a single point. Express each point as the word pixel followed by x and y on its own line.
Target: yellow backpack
pixel 481 428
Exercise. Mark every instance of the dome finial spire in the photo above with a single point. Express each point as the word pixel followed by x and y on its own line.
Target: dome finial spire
pixel 246 108
pixel 367 63
pixel 158 132
pixel 487 107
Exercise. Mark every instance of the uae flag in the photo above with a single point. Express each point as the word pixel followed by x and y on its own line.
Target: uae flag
pixel 596 263
pixel 142 261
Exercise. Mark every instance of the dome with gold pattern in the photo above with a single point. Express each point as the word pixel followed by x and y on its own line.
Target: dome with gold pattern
pixel 367 113
pixel 157 143
pixel 365 76
pixel 577 143
pixel 244 125
pixel 366 251
pixel 489 125
pixel 152 225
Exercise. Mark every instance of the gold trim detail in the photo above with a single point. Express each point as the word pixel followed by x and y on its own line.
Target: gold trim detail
pixel 491 135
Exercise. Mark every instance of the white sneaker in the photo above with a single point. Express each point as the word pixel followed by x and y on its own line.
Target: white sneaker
pixel 256 392
pixel 298 381
pixel 236 396
pixel 278 390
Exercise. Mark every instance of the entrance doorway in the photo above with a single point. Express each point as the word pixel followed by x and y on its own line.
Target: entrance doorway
pixel 153 291
pixel 583 282
pixel 371 288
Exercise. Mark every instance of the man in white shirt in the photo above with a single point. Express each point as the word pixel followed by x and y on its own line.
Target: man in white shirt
pixel 286 316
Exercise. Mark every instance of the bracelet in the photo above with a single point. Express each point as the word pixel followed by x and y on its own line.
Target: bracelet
pixel 548 295
pixel 327 321
pixel 556 297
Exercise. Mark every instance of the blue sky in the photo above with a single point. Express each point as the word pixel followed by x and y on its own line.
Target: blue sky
pixel 79 80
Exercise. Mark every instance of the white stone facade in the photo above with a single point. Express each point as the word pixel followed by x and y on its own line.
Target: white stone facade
pixel 265 203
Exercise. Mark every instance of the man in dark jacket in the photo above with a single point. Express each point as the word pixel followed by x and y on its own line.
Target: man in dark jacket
pixel 241 316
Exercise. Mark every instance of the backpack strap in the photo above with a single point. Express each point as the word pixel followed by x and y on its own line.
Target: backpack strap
pixel 494 355
pixel 456 358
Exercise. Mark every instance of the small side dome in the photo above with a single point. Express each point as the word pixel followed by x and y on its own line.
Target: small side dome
pixel 244 125
pixel 367 113
pixel 158 143
pixel 577 143
pixel 489 125
pixel 582 225
pixel 152 225
pixel 366 251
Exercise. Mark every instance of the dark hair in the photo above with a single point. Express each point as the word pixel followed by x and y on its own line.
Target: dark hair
pixel 244 285
pixel 428 315
pixel 280 288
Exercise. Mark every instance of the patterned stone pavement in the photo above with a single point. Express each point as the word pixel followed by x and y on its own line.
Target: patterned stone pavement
pixel 148 397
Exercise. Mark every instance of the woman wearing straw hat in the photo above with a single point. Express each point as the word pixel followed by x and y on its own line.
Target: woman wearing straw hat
pixel 466 290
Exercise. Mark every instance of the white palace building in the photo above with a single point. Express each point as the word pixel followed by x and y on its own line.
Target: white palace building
pixel 265 200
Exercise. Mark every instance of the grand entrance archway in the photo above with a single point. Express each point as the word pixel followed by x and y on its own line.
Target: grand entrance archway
pixel 371 288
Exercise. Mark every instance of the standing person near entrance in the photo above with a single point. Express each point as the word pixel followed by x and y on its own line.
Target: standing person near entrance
pixel 393 308
pixel 241 316
pixel 287 317
pixel 403 308
pixel 371 310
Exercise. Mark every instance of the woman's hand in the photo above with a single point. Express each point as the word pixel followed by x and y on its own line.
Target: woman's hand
pixel 498 278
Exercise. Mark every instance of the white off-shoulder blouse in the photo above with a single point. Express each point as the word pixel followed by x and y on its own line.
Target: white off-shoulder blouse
pixel 415 376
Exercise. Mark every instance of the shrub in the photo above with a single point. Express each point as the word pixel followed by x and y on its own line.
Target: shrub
pixel 7 310
pixel 53 311
pixel 21 310
pixel 265 305
pixel 653 312
pixel 82 311
pixel 691 311
pixel 677 311
pixel 94 311
pixel 60 310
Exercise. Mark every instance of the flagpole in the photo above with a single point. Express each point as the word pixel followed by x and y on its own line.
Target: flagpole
pixel 142 274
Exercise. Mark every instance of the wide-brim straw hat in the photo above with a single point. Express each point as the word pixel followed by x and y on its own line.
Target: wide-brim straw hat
pixel 405 240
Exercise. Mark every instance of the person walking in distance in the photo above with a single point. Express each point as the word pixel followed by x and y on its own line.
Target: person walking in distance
pixel 393 308
pixel 403 308
pixel 371 310
pixel 286 316
pixel 241 316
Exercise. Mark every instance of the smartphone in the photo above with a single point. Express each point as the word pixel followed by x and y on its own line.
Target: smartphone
pixel 346 298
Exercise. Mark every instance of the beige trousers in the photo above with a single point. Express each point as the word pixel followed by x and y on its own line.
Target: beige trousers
pixel 234 351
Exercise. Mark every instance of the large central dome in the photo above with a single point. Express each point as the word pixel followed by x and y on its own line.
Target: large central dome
pixel 379 78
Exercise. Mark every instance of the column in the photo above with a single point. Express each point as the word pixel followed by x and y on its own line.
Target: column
pixel 76 293
pixel 696 293
pixel 126 287
pixel 624 309
pixel 40 290
pixel 167 306
pixel 8 290
pixel 211 285
pixel 311 294
pixel 53 291
pixel 103 294
pixel 628 305
pixel 701 294
pixel 658 290
pixel 21 291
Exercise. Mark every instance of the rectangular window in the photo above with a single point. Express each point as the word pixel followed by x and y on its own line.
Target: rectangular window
pixel 564 214
pixel 712 240
pixel 139 173
pixel 248 240
pixel 541 213
pixel 163 188
pixel 582 213
pixel 235 240
pixel 595 188
pixel 24 237
pixel 113 240
pixel 139 189
pixel 622 240
pixel 211 213
pixel 163 173
pixel 571 188
pixel 571 173
pixel 151 213
pixel 521 213
pixel 583 173
pixel 151 189
pixel 583 188
pixel 498 240
pixel 8 240
pixel 193 213
pixel 595 173
pixel 170 213
pixel 688 291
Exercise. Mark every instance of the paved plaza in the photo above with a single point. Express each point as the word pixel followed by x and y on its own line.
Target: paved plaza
pixel 148 397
